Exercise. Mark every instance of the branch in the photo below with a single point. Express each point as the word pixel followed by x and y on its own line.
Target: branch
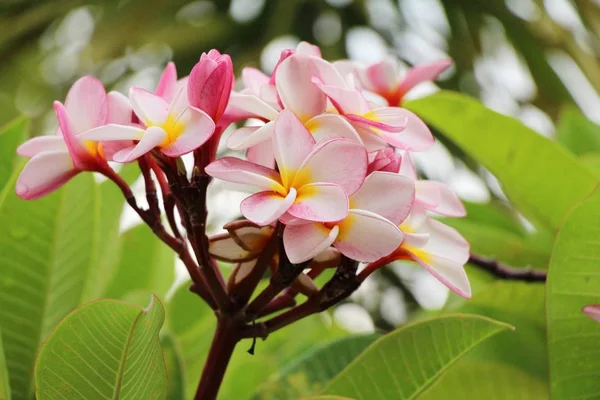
pixel 507 272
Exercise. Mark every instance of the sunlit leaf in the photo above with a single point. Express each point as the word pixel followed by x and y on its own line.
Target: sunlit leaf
pixel 541 178
pixel 47 252
pixel 574 282
pixel 402 364
pixel 105 349
pixel 577 133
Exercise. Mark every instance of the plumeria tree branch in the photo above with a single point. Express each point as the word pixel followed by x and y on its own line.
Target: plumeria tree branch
pixel 503 271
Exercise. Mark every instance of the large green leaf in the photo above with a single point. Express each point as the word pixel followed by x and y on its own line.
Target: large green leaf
pixel 574 282
pixel 577 133
pixel 145 263
pixel 47 250
pixel 11 136
pixel 308 374
pixel 540 177
pixel 402 364
pixel 4 382
pixel 106 349
pixel 175 367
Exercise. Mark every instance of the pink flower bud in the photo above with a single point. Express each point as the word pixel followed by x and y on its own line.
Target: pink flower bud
pixel 386 160
pixel 210 83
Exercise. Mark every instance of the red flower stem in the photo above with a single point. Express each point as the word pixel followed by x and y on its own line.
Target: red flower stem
pixel 168 200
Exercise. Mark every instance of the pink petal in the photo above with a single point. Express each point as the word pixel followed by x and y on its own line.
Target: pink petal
pixel 308 49
pixel 40 144
pixel 234 170
pixel 592 311
pixel 292 143
pixel 249 136
pixel 322 202
pixel 296 90
pixel 264 208
pixel 339 161
pixel 179 103
pixel 382 76
pixel 113 132
pixel 167 85
pixel 407 167
pixel 371 140
pixel 450 273
pixel 366 237
pixel 416 136
pixel 253 79
pixel 250 106
pixel 445 242
pixel 439 198
pixel 150 108
pixel 428 194
pixel 345 100
pixel 306 241
pixel 119 109
pixel 423 73
pixel 262 154
pixel 153 137
pixel 45 173
pixel 210 83
pixel 328 126
pixel 86 104
pixel 78 152
pixel 386 194
pixel 224 248
pixel 386 160
pixel 198 128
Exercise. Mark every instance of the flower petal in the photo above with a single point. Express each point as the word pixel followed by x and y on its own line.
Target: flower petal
pixel 592 311
pixel 445 242
pixel 253 79
pixel 340 161
pixel 345 100
pixel 448 203
pixel 150 108
pixel 387 194
pixel 45 173
pixel 234 170
pixel 264 208
pixel 167 85
pixel 450 273
pixel 224 248
pixel 292 143
pixel 296 90
pixel 152 138
pixel 113 132
pixel 262 154
pixel 306 241
pixel 328 126
pixel 382 76
pixel 416 136
pixel 422 73
pixel 308 49
pixel 119 109
pixel 78 153
pixel 407 167
pixel 322 202
pixel 366 237
pixel 252 238
pixel 86 104
pixel 248 136
pixel 42 144
pixel 198 128
pixel 251 106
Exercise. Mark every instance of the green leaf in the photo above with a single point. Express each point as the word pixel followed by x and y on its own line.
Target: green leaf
pixel 106 349
pixel 405 362
pixel 577 133
pixel 4 382
pixel 11 136
pixel 326 397
pixel 592 161
pixel 476 380
pixel 541 178
pixel 308 374
pixel 574 282
pixel 175 367
pixel 145 263
pixel 47 251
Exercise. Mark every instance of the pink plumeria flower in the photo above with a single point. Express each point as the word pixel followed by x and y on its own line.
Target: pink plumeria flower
pixel 433 196
pixel 295 92
pixel 175 129
pixel 386 160
pixel 386 78
pixel 441 250
pixel 370 230
pixel 313 181
pixel 592 311
pixel 168 84
pixel 56 159
pixel 377 126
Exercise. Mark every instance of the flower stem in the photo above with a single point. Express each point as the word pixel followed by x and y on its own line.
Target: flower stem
pixel 221 349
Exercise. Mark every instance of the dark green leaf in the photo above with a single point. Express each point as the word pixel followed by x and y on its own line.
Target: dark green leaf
pixel 4 380
pixel 11 136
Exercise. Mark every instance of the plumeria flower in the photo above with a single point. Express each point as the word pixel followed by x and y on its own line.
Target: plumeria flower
pixel 175 129
pixel 433 196
pixel 592 311
pixel 295 92
pixel 313 182
pixel 389 81
pixel 441 250
pixel 56 159
pixel 370 230
pixel 387 160
pixel 377 126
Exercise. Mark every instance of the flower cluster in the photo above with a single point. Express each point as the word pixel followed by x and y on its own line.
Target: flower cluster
pixel 329 163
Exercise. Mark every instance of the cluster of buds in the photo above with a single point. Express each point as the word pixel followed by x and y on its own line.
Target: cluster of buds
pixel 329 169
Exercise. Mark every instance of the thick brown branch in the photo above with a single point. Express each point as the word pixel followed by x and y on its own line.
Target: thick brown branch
pixel 502 271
